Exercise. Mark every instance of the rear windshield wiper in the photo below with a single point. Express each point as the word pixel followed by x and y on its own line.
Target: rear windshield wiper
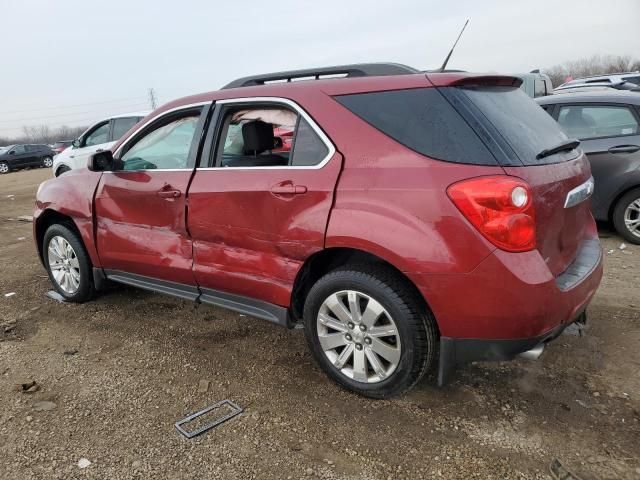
pixel 562 147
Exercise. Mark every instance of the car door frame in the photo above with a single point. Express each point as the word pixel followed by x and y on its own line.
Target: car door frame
pixel 149 282
pixel 261 304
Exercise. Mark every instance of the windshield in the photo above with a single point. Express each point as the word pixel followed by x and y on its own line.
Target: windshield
pixel 525 127
pixel 6 149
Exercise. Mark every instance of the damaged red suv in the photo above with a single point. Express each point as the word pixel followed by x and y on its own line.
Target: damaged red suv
pixel 416 219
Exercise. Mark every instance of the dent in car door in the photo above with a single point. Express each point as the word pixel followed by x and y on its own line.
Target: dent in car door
pixel 140 209
pixel 253 227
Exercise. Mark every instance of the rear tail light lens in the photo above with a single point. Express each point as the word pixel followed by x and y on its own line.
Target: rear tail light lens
pixel 501 208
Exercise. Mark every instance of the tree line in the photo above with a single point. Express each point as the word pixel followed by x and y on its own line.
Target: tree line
pixel 43 134
pixel 595 65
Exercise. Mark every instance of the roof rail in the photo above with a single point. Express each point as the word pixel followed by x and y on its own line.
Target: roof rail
pixel 355 70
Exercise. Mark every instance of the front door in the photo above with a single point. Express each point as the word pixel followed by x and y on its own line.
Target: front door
pixel 20 157
pixel 140 207
pixel 610 136
pixel 261 206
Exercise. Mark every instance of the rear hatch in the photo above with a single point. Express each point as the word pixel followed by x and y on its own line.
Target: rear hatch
pixel 517 131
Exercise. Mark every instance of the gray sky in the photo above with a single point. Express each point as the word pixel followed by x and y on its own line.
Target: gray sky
pixel 75 61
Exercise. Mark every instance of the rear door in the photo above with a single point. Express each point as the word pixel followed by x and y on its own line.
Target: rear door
pixel 258 209
pixel 141 206
pixel 610 136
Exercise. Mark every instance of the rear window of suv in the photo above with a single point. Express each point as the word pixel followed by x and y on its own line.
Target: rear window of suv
pixel 473 125
pixel 422 120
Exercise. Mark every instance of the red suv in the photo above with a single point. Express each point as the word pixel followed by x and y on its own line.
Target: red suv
pixel 417 218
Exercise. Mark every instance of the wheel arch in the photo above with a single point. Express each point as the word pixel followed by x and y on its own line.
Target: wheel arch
pixel 329 259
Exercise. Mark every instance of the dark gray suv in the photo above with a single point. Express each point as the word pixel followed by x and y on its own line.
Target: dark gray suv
pixel 607 123
pixel 14 157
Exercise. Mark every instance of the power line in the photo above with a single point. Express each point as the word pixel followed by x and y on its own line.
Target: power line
pixel 153 101
pixel 136 105
pixel 76 105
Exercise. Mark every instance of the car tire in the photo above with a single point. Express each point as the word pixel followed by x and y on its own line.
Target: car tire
pixel 47 162
pixel 61 170
pixel 68 264
pixel 4 168
pixel 392 353
pixel 626 216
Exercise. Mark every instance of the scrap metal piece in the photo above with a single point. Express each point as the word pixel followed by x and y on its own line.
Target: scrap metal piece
pixel 55 296
pixel 560 472
pixel 232 411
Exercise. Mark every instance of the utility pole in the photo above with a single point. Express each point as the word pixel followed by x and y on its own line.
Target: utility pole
pixel 153 102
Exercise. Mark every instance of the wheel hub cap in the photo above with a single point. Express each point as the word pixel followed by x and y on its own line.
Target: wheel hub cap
pixel 64 264
pixel 632 218
pixel 358 336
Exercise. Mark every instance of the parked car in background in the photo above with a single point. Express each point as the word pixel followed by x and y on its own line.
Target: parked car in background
pixel 584 87
pixel 412 217
pixel 607 125
pixel 15 157
pixel 610 79
pixel 100 136
pixel 61 146
pixel 535 84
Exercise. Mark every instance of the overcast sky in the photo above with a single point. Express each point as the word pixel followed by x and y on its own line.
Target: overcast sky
pixel 75 61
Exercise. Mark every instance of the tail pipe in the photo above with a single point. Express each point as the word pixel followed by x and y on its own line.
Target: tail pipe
pixel 534 353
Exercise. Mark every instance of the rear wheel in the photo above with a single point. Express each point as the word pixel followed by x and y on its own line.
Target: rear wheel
pixel 626 216
pixel 368 330
pixel 68 264
pixel 4 167
pixel 47 162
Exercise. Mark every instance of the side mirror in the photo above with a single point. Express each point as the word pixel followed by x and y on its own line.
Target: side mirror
pixel 76 143
pixel 101 161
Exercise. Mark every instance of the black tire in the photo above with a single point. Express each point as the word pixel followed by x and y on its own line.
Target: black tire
pixel 415 324
pixel 85 290
pixel 4 168
pixel 61 170
pixel 619 213
pixel 45 160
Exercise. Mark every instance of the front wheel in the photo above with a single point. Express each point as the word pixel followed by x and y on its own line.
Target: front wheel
pixel 68 264
pixel 369 331
pixel 47 162
pixel 626 216
pixel 4 168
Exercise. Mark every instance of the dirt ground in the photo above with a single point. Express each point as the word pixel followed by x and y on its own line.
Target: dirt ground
pixel 117 373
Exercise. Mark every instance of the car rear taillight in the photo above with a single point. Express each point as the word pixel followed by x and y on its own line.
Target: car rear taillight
pixel 501 208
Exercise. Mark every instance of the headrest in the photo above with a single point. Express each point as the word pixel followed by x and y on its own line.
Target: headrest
pixel 257 136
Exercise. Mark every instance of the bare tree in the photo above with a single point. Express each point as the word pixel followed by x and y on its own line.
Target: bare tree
pixel 595 65
pixel 43 134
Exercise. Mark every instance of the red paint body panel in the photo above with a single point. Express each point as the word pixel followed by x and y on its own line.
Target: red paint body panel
pixel 140 232
pixel 250 241
pixel 72 195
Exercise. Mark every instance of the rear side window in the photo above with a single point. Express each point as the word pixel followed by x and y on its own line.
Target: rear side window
pixel 585 122
pixel 308 149
pixel 122 126
pixel 520 122
pixel 422 120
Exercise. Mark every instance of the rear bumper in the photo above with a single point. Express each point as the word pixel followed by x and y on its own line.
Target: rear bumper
pixel 509 304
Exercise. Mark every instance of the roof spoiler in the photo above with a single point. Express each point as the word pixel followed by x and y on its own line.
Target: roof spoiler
pixel 456 80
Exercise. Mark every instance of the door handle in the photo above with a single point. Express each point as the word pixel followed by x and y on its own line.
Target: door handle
pixel 288 189
pixel 624 149
pixel 169 193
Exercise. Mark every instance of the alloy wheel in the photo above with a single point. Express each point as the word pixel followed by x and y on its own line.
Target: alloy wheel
pixel 358 336
pixel 64 265
pixel 4 168
pixel 48 162
pixel 632 218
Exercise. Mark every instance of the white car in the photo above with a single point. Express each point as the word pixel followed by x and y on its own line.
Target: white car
pixel 100 136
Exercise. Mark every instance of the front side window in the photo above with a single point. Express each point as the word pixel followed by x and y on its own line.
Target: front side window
pixel 122 126
pixel 584 122
pixel 19 149
pixel 165 147
pixel 98 136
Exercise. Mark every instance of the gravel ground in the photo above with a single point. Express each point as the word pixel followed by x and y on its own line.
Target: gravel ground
pixel 114 375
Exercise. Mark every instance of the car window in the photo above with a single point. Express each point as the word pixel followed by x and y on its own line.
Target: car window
pixel 257 137
pixel 98 136
pixel 596 121
pixel 635 79
pixel 122 126
pixel 308 149
pixel 166 147
pixel 19 149
pixel 540 88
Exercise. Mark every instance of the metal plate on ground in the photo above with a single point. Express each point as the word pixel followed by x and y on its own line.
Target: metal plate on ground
pixel 56 296
pixel 208 418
